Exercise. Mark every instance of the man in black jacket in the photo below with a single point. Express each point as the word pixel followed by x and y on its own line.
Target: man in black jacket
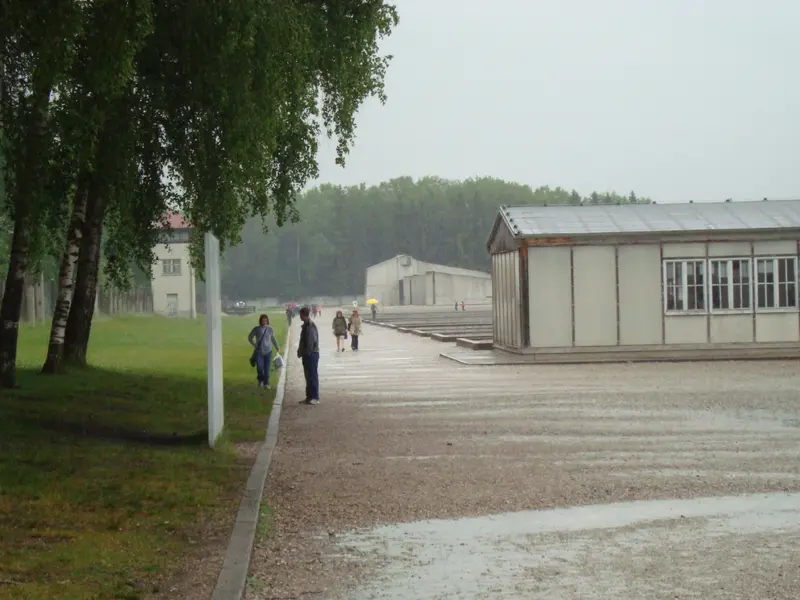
pixel 308 352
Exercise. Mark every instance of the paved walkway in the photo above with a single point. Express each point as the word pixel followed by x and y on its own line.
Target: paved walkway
pixel 524 470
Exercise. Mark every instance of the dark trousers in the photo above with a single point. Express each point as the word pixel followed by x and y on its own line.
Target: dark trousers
pixel 354 342
pixel 310 370
pixel 263 362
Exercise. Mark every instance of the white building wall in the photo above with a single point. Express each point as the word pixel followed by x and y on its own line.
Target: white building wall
pixel 685 329
pixel 506 303
pixel 640 309
pixel 443 289
pixel 430 282
pixel 595 295
pixel 418 291
pixel 729 249
pixel 550 297
pixel 463 288
pixel 180 289
pixel 382 282
pixel 731 329
pixel 782 248
pixel 777 327
pixel 684 250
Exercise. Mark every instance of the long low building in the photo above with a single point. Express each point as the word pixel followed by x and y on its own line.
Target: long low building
pixel 647 281
pixel 404 281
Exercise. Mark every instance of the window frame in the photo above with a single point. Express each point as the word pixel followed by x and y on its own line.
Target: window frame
pixel 731 286
pixel 171 272
pixel 776 284
pixel 684 262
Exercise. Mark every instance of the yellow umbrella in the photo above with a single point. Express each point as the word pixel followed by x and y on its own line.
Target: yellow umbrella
pixel 372 301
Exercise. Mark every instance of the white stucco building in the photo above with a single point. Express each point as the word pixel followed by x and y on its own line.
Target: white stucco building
pixel 174 285
pixel 647 281
pixel 404 280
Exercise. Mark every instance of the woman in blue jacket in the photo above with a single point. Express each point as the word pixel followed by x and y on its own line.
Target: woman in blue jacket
pixel 262 338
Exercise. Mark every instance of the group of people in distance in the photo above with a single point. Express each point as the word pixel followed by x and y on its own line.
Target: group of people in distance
pixel 343 327
pixel 262 338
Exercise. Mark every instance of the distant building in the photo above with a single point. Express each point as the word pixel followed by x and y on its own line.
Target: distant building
pixel 647 281
pixel 174 285
pixel 403 281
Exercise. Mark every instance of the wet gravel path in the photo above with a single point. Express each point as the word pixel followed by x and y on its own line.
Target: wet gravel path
pixel 403 435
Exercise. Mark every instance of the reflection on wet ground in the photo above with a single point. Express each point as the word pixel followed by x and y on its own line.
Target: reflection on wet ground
pixel 703 548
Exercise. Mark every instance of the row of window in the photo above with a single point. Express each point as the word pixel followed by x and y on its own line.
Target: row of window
pixel 176 236
pixel 731 285
pixel 171 266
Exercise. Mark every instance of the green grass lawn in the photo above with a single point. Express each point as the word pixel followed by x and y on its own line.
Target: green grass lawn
pixel 106 479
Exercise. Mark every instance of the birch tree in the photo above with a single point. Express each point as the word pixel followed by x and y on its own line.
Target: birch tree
pixel 239 93
pixel 90 99
pixel 36 43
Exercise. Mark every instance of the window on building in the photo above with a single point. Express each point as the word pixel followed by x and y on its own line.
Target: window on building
pixel 171 266
pixel 176 236
pixel 776 283
pixel 179 236
pixel 685 285
pixel 731 281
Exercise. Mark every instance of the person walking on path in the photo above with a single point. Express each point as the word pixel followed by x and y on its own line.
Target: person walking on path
pixel 354 327
pixel 262 338
pixel 339 330
pixel 308 352
pixel 374 310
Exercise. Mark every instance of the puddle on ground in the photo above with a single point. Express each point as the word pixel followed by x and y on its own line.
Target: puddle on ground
pixel 412 403
pixel 728 438
pixel 676 472
pixel 653 549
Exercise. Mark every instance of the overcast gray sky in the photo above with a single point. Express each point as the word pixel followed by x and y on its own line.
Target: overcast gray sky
pixel 676 99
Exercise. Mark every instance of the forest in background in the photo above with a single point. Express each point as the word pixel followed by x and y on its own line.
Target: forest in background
pixel 344 230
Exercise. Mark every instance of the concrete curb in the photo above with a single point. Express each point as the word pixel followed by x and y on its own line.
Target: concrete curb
pixel 475 344
pixel 380 324
pixel 232 580
pixel 444 337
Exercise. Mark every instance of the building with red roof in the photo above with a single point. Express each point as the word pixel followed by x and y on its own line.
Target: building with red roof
pixel 174 281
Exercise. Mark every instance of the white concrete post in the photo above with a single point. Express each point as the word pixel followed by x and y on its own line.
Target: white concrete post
pixel 216 410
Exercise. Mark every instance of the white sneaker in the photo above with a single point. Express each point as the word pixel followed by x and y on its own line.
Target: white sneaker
pixel 314 401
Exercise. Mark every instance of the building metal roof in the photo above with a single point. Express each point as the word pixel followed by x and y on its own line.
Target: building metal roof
pixel 610 219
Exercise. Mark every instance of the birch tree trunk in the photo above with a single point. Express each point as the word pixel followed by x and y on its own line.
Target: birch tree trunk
pixel 29 174
pixel 11 309
pixel 66 273
pixel 85 300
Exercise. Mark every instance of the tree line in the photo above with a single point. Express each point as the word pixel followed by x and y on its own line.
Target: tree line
pixel 113 113
pixel 346 229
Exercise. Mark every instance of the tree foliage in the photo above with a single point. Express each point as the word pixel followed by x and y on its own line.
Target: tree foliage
pixel 343 230
pixel 213 107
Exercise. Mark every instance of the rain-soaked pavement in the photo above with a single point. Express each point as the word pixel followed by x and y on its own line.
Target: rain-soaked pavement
pixel 417 477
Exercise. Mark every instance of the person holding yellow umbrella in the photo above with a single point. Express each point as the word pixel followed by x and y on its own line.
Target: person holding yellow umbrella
pixel 373 306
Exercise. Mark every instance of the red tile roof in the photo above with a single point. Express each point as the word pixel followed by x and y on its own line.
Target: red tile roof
pixel 176 221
